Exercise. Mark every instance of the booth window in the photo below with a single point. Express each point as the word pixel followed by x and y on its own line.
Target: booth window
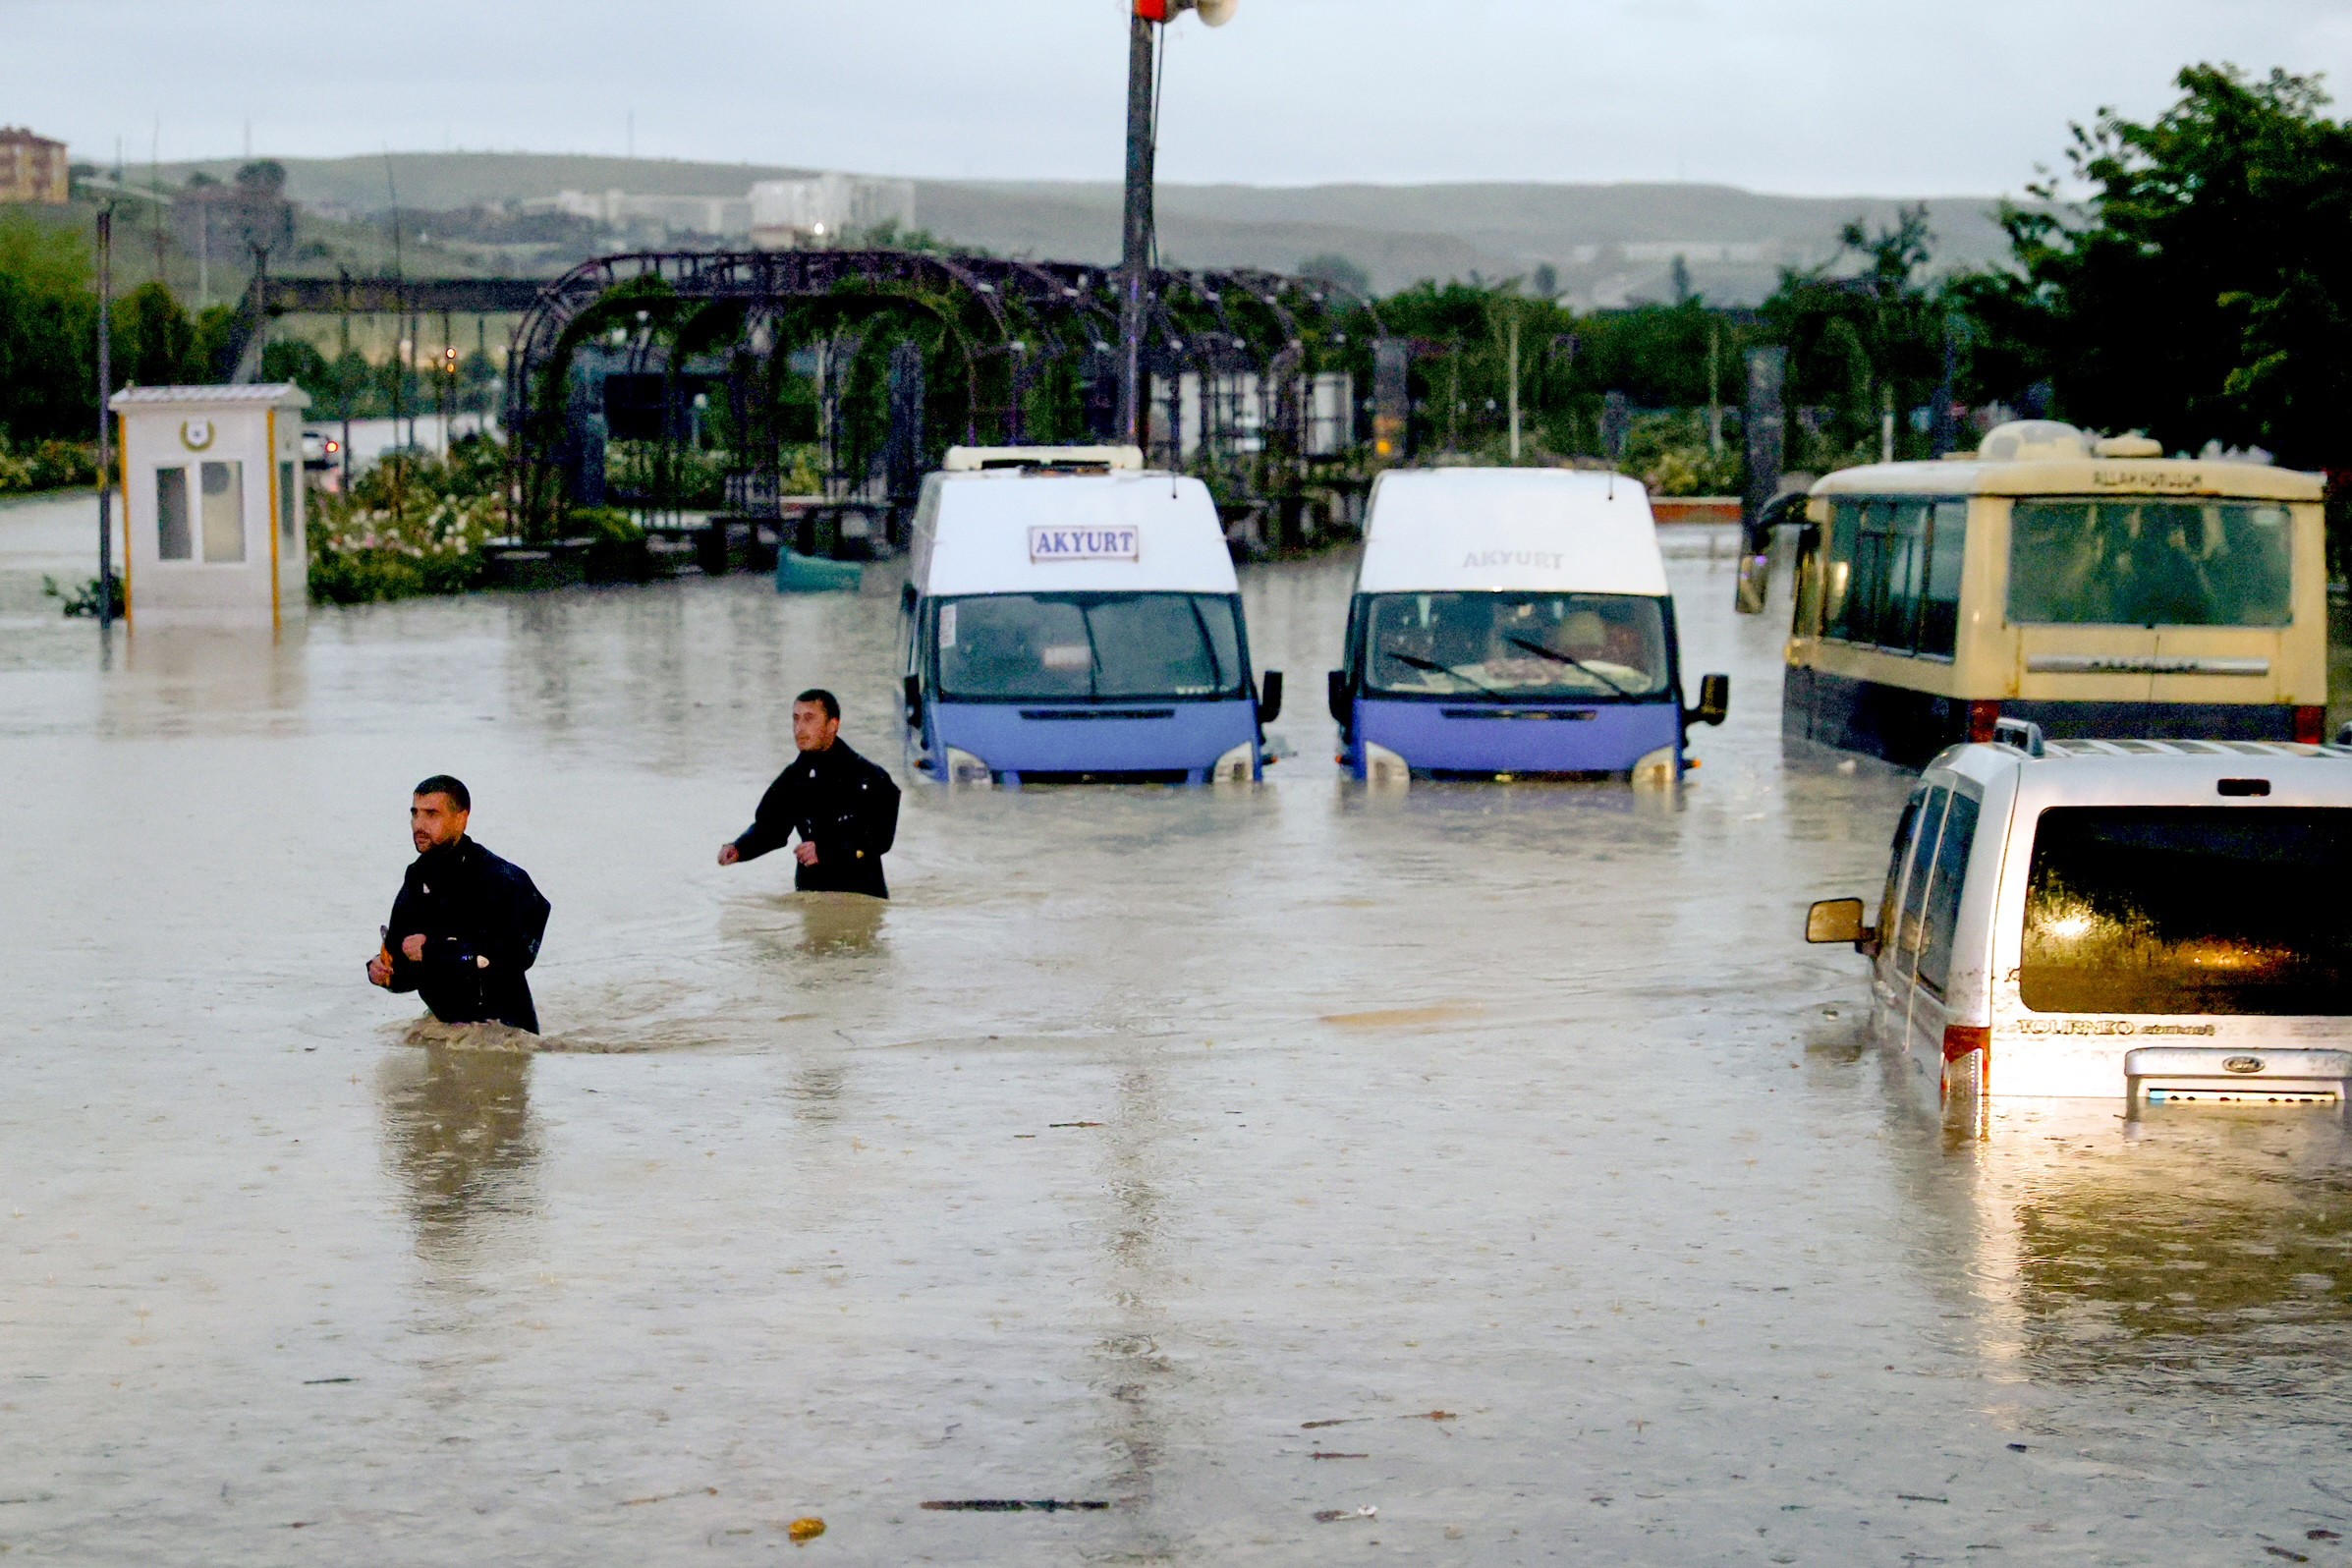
pixel 223 511
pixel 285 501
pixel 173 540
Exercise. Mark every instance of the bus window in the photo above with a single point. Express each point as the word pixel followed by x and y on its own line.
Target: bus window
pixel 1942 912
pixel 2145 562
pixel 1940 606
pixel 1878 557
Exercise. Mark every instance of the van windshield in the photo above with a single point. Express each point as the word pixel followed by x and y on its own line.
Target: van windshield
pixel 2136 561
pixel 1007 647
pixel 1581 647
pixel 2188 910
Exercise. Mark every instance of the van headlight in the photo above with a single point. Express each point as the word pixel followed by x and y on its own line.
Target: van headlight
pixel 963 768
pixel 1237 766
pixel 1384 766
pixel 1657 768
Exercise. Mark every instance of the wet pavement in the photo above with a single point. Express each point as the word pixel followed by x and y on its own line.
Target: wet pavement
pixel 1494 1159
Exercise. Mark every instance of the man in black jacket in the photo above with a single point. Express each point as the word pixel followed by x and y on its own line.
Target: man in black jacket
pixel 467 924
pixel 844 808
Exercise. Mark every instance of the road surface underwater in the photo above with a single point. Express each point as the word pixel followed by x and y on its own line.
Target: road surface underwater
pixel 1483 1174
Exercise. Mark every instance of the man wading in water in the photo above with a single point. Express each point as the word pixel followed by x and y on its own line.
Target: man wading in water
pixel 467 924
pixel 844 808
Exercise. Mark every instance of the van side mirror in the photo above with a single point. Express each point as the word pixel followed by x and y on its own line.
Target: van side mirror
pixel 913 690
pixel 1269 697
pixel 1714 700
pixel 1839 920
pixel 1335 696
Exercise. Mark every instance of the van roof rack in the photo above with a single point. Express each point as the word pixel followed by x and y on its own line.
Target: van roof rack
pixel 1045 458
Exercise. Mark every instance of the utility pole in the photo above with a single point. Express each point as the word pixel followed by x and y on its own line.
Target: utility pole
pixel 1715 389
pixel 1514 387
pixel 105 416
pixel 1135 248
pixel 1139 232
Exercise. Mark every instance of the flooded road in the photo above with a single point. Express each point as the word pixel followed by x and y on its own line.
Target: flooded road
pixel 1491 1157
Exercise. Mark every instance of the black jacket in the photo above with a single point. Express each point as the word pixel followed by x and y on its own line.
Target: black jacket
pixel 481 920
pixel 839 802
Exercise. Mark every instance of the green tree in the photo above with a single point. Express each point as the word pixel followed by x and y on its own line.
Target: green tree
pixel 48 327
pixel 2199 290
pixel 1865 333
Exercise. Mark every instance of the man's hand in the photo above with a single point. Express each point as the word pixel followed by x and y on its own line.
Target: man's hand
pixel 729 853
pixel 379 970
pixel 805 852
pixel 414 948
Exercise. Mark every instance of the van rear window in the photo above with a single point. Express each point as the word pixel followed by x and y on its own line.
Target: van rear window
pixel 2173 909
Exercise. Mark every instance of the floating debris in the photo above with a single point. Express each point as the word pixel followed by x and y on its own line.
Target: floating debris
pixel 1073 1124
pixel 1010 1505
pixel 1321 1455
pixel 315 1382
pixel 666 1496
pixel 1328 1516
pixel 807 1529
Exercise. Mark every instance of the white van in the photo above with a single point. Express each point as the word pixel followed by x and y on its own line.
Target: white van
pixel 1510 623
pixel 2132 919
pixel 1071 617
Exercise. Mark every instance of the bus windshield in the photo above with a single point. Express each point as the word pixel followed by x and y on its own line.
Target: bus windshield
pixel 2140 561
pixel 1075 646
pixel 1585 647
pixel 2188 910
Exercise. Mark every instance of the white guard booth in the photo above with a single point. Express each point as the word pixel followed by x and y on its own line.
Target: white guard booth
pixel 213 505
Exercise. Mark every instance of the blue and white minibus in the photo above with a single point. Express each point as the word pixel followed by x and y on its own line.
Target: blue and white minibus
pixel 1513 623
pixel 1072 617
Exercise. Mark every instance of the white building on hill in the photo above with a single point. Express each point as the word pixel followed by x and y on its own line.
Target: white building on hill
pixel 787 214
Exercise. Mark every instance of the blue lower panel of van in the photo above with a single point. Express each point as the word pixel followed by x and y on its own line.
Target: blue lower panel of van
pixel 1045 742
pixel 1455 737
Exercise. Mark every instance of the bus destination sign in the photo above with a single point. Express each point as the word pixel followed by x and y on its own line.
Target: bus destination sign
pixel 1086 544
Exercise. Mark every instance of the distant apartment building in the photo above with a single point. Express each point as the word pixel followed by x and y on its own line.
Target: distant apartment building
pixel 32 168
pixel 791 214
pixel 724 216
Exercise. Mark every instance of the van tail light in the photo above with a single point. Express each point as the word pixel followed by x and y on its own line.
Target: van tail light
pixel 1981 715
pixel 2311 725
pixel 1959 1039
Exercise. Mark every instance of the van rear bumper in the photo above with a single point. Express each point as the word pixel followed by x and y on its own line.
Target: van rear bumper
pixel 2246 1075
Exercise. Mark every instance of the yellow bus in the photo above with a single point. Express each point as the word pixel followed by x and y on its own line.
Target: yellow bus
pixel 2090 586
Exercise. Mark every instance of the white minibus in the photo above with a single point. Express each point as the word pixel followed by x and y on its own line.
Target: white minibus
pixel 1069 617
pixel 1513 623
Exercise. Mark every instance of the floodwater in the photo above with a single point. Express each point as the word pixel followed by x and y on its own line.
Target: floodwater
pixel 1494 1159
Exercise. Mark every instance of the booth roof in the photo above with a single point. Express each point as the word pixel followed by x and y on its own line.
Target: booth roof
pixel 278 393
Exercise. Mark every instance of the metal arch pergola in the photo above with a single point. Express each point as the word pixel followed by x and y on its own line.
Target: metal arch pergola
pixel 1007 322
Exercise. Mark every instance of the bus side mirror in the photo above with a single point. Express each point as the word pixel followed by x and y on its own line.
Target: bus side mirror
pixel 1839 920
pixel 914 689
pixel 1756 579
pixel 1714 700
pixel 1335 696
pixel 1269 697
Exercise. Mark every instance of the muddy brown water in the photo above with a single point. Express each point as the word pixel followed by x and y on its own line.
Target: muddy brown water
pixel 1508 1130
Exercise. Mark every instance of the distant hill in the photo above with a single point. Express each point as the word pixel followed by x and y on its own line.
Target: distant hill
pixel 1608 244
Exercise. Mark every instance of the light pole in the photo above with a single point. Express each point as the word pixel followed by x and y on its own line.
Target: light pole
pixel 1134 248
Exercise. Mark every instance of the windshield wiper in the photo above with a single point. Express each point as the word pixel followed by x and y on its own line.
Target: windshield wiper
pixel 1568 659
pixel 1431 666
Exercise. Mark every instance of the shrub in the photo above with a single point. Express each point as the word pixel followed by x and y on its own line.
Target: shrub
pixel 47 466
pixel 411 525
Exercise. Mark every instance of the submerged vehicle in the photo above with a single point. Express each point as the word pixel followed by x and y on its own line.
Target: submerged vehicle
pixel 2090 586
pixel 2141 920
pixel 1069 617
pixel 1513 623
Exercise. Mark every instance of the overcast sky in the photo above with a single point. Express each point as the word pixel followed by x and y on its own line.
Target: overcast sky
pixel 1814 96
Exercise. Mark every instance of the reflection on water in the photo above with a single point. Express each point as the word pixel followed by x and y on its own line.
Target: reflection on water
pixel 2202 1238
pixel 840 923
pixel 458 1129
